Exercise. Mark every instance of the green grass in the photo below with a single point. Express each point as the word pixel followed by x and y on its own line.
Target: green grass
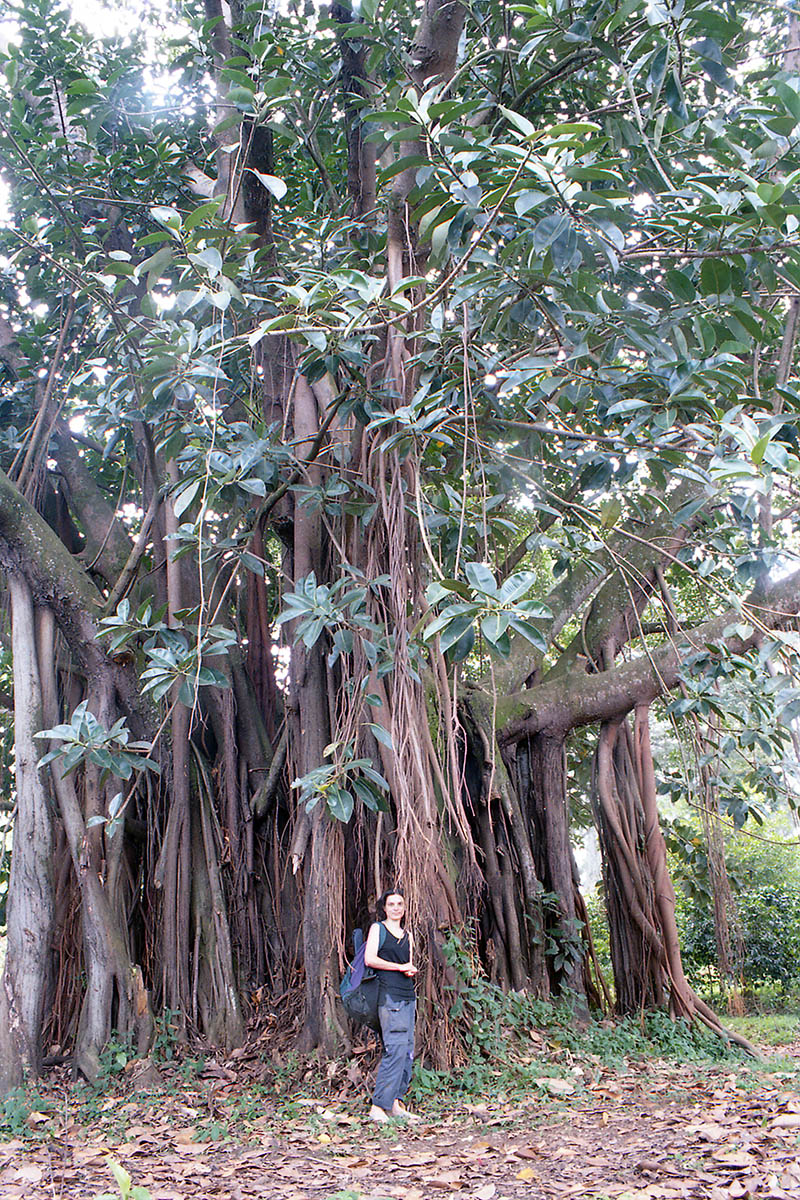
pixel 15 1109
pixel 767 1029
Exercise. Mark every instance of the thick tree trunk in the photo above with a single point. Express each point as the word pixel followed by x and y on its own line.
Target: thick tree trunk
pixel 113 996
pixel 541 782
pixel 107 544
pixel 626 792
pixel 636 957
pixel 30 894
pixel 316 844
pixel 497 802
pixel 176 853
pixel 216 989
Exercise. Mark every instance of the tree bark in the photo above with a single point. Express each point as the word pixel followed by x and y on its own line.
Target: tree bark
pixel 317 844
pixel 579 699
pixel 541 784
pixel 635 942
pixel 113 992
pixel 108 546
pixel 30 893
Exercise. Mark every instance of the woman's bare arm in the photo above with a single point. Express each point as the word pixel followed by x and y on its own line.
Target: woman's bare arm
pixel 373 959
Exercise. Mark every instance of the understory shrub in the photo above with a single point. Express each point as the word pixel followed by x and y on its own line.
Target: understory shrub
pixel 511 1039
pixel 765 877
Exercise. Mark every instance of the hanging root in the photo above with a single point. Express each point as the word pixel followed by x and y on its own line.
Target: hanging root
pixel 635 853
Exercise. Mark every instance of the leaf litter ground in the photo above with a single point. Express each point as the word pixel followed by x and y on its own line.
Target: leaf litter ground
pixel 651 1129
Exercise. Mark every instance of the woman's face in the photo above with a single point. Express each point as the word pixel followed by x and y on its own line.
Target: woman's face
pixel 395 907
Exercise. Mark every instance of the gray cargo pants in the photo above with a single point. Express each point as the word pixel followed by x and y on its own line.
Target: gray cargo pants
pixel 397 1031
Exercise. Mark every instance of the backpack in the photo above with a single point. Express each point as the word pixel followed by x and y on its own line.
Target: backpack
pixel 359 987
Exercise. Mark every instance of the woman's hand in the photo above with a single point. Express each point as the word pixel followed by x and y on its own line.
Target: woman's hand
pixel 409 969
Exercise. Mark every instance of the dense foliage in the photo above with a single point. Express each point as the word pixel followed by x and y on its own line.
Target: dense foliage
pixel 765 873
pixel 386 395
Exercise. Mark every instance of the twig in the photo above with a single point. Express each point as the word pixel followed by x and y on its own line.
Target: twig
pixel 134 558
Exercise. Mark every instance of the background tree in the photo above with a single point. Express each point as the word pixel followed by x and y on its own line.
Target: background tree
pixel 447 346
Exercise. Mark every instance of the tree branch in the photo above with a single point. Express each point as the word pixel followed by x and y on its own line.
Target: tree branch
pixel 132 565
pixel 30 549
pixel 575 698
pixel 107 543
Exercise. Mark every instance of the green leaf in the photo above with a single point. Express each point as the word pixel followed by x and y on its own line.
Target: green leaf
pixel 371 799
pixel 199 215
pixel 463 647
pixel 184 498
pixel 790 98
pixel 657 71
pixel 210 260
pixel 516 586
pixel 548 229
pixel 529 632
pixel 610 512
pixel 680 285
pixel 381 734
pixel 481 577
pixel 82 87
pixel 254 485
pixel 519 122
pixel 169 217
pixel 621 14
pixel 242 97
pixel 155 265
pixel 443 588
pixel 272 183
pixel 340 803
pixel 494 626
pixel 121 1175
pixel 715 277
pixel 372 775
pixel 454 631
pixel 629 405
pixel 439 240
pixel 759 449
pixel 316 338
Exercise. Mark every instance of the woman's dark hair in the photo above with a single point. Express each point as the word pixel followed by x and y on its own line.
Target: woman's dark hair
pixel 380 907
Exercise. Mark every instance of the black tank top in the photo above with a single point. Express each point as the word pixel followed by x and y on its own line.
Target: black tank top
pixel 394 984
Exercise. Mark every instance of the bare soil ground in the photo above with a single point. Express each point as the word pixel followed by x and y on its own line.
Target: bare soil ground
pixel 644 1130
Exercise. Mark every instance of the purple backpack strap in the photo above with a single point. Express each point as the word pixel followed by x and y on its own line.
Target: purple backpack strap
pixel 358 966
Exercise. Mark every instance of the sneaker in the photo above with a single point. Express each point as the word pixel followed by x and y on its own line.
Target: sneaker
pixel 402 1114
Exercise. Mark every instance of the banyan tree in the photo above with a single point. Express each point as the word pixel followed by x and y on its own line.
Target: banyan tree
pixel 397 401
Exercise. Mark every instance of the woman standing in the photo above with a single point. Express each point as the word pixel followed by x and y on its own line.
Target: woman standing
pixel 396 1006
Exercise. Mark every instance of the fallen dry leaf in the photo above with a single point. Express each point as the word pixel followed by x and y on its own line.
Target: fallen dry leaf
pixel 738 1159
pixel 786 1121
pixel 709 1131
pixel 29 1174
pixel 556 1086
pixel 184 1137
pixel 444 1181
